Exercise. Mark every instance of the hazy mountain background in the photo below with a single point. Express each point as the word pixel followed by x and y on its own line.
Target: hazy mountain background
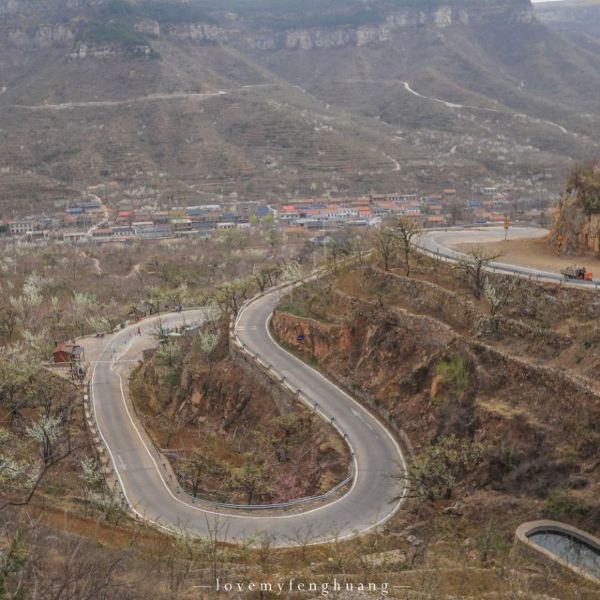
pixel 171 101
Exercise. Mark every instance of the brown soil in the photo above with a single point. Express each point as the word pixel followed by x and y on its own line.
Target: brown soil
pixel 537 254
pixel 218 410
pixel 433 363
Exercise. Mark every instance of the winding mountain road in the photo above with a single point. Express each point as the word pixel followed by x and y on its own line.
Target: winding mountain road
pixel 442 242
pixel 515 115
pixel 149 486
pixel 153 495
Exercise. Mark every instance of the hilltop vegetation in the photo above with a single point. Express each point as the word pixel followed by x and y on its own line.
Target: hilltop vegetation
pixel 165 13
pixel 584 184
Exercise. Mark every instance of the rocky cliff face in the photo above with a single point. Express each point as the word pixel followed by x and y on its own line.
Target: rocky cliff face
pixel 334 37
pixel 578 218
pixel 568 12
pixel 40 37
pixel 580 232
pixel 62 24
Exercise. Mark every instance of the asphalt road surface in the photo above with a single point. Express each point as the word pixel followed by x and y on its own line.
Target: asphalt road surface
pixel 372 498
pixel 442 241
pixel 148 487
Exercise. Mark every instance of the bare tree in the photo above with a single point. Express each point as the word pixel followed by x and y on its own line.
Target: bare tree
pixel 214 546
pixel 406 230
pixel 474 266
pixel 337 249
pixel 199 467
pixel 266 276
pixel 360 248
pixel 253 478
pixel 16 373
pixel 303 538
pixel 497 296
pixel 385 245
pixel 456 211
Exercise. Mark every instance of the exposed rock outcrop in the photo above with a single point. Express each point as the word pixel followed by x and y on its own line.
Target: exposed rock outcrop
pixel 241 34
pixel 335 37
pixel 578 219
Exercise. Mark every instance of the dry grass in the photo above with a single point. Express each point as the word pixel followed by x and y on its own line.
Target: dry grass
pixel 537 254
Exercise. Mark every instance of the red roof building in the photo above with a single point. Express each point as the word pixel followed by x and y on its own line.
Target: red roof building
pixel 67 352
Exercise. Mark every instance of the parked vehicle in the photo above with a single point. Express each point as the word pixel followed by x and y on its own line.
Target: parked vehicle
pixel 580 273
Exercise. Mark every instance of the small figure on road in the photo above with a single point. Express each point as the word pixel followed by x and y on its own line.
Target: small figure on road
pixel 139 331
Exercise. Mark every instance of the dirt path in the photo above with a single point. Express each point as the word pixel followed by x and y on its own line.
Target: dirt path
pixel 484 109
pixel 97 267
pixel 149 98
pixel 98 270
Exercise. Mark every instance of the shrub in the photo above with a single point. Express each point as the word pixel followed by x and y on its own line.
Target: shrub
pixel 454 375
pixel 438 468
pixel 564 504
pixel 113 33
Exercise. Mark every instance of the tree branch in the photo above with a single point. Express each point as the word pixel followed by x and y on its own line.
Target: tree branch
pixel 46 468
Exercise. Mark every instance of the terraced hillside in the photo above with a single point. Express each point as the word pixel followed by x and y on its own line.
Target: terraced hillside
pixel 163 99
pixel 514 393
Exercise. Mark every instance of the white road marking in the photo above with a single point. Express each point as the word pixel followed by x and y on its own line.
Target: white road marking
pixel 359 416
pixel 250 518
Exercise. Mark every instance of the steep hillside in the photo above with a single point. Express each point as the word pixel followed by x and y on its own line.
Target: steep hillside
pixel 578 218
pixel 259 98
pixel 514 393
pixel 579 20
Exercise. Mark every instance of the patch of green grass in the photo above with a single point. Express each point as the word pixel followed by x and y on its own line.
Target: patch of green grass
pixel 113 33
pixel 165 13
pixel 454 375
pixel 563 504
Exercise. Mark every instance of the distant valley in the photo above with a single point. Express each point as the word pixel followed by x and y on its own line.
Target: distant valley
pixel 172 102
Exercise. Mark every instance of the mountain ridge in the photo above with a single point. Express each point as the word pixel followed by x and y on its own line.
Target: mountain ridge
pixel 105 21
pixel 503 100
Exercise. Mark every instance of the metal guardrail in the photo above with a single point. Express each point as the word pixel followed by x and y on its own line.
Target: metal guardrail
pixel 103 451
pixel 159 457
pixel 522 272
pixel 279 505
pixel 279 379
